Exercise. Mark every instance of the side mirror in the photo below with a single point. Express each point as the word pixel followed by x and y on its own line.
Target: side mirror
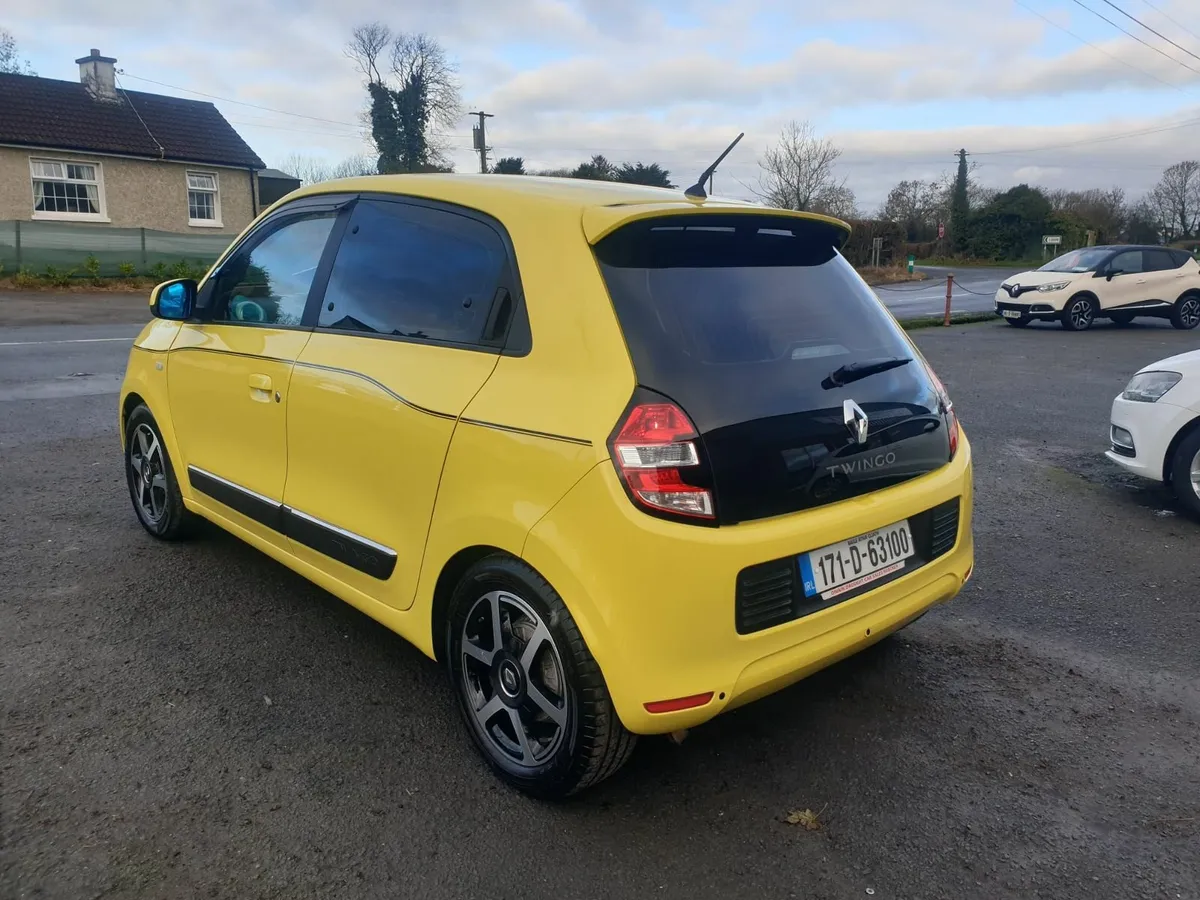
pixel 174 299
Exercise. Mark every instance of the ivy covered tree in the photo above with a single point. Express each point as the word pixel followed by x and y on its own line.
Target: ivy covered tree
pixel 412 88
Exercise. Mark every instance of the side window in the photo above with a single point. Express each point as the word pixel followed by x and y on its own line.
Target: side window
pixel 1159 260
pixel 266 281
pixel 1129 262
pixel 410 271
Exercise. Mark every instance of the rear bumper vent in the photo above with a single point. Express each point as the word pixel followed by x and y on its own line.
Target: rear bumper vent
pixel 770 593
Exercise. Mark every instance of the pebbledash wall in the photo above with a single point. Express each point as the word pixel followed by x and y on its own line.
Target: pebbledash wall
pixel 136 193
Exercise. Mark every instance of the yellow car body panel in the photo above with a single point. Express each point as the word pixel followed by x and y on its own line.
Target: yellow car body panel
pixel 654 598
pixel 435 451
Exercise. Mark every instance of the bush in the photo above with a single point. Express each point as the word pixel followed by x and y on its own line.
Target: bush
pixel 158 271
pixel 127 269
pixel 857 249
pixel 181 269
pixel 26 279
pixel 59 278
pixel 91 265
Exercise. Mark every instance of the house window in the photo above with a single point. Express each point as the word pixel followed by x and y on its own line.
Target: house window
pixel 65 189
pixel 204 207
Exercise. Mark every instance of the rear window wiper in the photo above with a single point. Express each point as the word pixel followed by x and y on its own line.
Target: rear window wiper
pixel 856 370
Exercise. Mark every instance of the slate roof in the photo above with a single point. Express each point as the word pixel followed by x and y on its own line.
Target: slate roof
pixel 45 112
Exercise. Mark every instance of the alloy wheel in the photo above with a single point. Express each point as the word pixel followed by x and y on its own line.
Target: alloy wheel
pixel 147 474
pixel 1081 314
pixel 1189 312
pixel 513 680
pixel 1195 473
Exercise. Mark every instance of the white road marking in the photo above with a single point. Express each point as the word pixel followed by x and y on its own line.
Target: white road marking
pixel 70 341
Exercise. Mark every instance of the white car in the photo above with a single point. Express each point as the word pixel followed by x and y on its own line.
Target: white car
pixel 1118 283
pixel 1155 426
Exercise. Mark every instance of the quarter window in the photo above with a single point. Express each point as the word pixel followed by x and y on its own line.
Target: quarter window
pixel 203 199
pixel 1159 260
pixel 1129 262
pixel 408 271
pixel 266 281
pixel 62 188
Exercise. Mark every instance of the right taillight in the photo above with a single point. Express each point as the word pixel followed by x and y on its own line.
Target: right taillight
pixel 653 448
pixel 947 409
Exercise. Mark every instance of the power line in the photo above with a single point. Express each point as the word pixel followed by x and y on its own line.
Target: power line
pixel 1179 25
pixel 1190 123
pixel 1152 31
pixel 1163 53
pixel 1094 47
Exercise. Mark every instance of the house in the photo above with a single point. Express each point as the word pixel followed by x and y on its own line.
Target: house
pixel 93 152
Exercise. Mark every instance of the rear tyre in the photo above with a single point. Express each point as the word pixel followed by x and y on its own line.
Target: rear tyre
pixel 1121 318
pixel 1079 313
pixel 1186 313
pixel 1019 323
pixel 155 493
pixel 531 694
pixel 1185 473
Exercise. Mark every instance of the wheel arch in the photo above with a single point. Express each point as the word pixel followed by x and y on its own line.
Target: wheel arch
pixel 1091 295
pixel 1190 292
pixel 131 402
pixel 448 578
pixel 1180 436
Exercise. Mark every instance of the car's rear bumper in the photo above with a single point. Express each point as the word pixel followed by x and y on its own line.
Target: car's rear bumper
pixel 655 600
pixel 1151 427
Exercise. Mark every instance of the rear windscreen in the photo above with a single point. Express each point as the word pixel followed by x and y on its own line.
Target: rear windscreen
pixel 751 323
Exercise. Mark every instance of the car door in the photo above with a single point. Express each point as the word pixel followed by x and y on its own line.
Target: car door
pixel 1127 283
pixel 405 338
pixel 1164 276
pixel 229 371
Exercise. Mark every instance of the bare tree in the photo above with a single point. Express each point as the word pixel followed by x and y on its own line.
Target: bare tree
pixel 352 166
pixel 9 61
pixel 917 205
pixel 1102 211
pixel 418 91
pixel 838 201
pixel 1175 201
pixel 798 172
pixel 311 170
pixel 367 46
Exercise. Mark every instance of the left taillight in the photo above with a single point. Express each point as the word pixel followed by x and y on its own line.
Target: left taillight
pixel 655 451
pixel 947 410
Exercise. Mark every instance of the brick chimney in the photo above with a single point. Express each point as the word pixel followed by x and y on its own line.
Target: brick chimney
pixel 99 75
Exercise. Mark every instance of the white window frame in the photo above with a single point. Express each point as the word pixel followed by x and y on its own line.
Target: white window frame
pixel 102 209
pixel 216 194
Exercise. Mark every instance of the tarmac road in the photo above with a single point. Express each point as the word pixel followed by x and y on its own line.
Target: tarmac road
pixel 974 291
pixel 194 720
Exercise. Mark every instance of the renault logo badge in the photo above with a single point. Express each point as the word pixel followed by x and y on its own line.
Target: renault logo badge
pixel 856 420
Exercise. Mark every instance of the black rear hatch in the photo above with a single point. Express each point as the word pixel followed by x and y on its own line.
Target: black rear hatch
pixel 761 331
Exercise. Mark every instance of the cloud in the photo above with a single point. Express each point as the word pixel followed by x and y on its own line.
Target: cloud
pixel 898 87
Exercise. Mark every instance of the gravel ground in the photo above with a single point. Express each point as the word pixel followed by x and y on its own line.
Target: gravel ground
pixel 194 720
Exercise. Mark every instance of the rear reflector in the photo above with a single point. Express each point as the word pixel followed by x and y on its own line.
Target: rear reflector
pixel 679 703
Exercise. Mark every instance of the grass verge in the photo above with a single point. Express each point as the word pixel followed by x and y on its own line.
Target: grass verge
pixel 955 319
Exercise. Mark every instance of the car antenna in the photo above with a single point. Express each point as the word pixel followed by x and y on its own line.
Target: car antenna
pixel 696 191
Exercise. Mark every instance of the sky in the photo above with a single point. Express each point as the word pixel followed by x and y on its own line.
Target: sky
pixel 1037 91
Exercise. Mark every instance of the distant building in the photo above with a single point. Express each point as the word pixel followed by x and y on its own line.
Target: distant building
pixel 92 152
pixel 274 185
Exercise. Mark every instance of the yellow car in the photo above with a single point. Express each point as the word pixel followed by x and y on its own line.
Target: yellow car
pixel 619 458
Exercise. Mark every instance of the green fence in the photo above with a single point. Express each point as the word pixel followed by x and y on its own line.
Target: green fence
pixel 65 245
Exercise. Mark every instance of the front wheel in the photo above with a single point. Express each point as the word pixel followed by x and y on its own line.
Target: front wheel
pixel 1185 473
pixel 155 493
pixel 1079 314
pixel 532 695
pixel 1186 314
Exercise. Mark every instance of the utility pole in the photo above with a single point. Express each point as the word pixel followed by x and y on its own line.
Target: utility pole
pixel 479 135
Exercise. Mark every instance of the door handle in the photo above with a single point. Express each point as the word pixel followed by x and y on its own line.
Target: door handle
pixel 260 388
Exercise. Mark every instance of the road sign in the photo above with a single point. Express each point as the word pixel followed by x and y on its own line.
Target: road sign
pixel 941 230
pixel 1051 239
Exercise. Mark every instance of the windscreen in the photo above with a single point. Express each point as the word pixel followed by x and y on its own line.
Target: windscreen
pixel 761 331
pixel 1077 261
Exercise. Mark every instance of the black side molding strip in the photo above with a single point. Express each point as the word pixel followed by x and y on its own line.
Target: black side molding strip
pixel 344 546
pixel 250 504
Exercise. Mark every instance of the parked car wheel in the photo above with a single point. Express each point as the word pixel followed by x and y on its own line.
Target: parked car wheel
pixel 155 493
pixel 1079 313
pixel 1186 314
pixel 1185 473
pixel 532 695
pixel 1121 318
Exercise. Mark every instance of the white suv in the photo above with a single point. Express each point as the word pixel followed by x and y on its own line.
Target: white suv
pixel 1116 283
pixel 1155 426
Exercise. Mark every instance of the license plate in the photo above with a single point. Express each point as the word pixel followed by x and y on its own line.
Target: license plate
pixel 1010 314
pixel 850 564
